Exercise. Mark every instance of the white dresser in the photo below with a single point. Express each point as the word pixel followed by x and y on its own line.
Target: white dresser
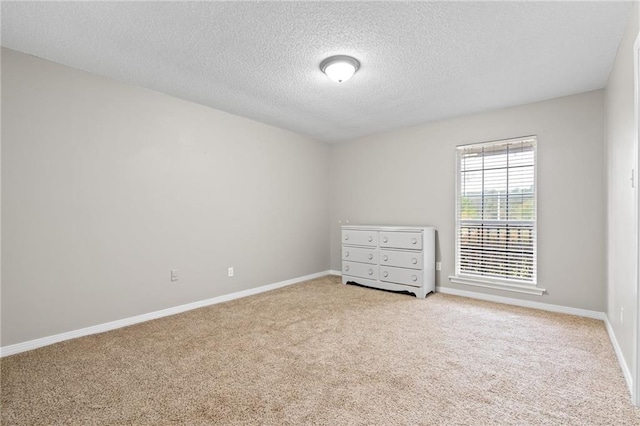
pixel 399 258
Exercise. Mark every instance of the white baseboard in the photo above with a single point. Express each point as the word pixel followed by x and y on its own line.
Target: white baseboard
pixel 623 364
pixel 100 328
pixel 334 272
pixel 524 303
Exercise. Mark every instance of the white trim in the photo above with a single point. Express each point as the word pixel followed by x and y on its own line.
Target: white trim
pixel 100 328
pixel 523 303
pixel 635 390
pixel 498 285
pixel 334 272
pixel 496 142
pixel 616 347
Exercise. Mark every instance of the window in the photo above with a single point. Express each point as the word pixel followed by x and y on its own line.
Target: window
pixel 496 215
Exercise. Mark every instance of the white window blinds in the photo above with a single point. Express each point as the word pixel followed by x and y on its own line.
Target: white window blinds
pixel 496 210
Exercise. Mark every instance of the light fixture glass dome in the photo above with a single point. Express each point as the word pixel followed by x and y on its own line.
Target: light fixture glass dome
pixel 340 68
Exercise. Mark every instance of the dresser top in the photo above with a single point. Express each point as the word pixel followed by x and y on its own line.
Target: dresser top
pixel 386 228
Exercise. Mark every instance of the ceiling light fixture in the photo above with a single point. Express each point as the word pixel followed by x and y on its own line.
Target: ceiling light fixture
pixel 340 68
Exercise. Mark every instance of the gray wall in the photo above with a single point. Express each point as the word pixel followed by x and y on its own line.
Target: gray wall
pixel 407 177
pixel 106 187
pixel 621 158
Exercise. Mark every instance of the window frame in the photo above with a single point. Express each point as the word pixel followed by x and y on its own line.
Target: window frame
pixel 508 284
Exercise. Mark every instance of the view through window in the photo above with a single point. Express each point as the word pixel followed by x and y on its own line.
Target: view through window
pixel 496 210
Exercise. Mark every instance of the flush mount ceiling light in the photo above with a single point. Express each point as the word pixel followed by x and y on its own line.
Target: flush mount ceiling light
pixel 340 68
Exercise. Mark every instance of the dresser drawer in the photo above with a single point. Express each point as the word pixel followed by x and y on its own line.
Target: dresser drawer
pixel 361 270
pixel 408 240
pixel 360 237
pixel 360 254
pixel 410 277
pixel 403 259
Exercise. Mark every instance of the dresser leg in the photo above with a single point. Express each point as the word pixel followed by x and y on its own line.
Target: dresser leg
pixel 421 293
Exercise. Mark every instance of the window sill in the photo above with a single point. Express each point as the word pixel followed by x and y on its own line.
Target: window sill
pixel 498 285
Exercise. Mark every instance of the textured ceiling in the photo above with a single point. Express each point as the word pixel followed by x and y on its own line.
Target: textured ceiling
pixel 420 61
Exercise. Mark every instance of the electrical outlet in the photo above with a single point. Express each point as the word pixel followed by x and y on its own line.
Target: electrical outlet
pixel 174 275
pixel 230 272
pixel 621 315
pixel 438 266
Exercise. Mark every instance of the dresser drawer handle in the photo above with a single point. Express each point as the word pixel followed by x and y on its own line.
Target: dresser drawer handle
pixel 370 238
pixel 385 239
pixel 370 256
pixel 414 241
pixel 370 271
pixel 414 278
pixel 346 254
pixel 346 268
pixel 346 237
pixel 385 274
pixel 414 260
pixel 385 257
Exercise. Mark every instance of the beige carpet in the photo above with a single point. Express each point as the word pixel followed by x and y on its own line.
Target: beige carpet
pixel 320 353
